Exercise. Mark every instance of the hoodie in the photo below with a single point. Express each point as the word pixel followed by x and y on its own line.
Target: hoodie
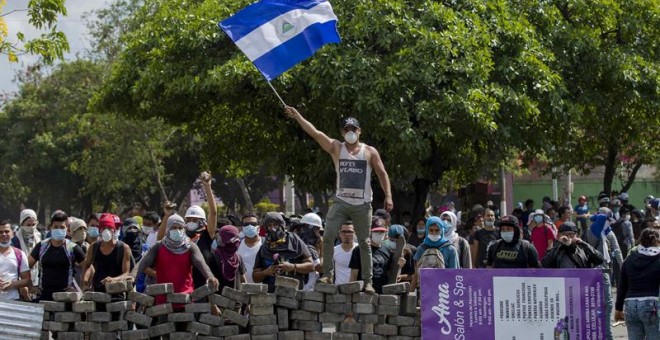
pixel 512 254
pixel 640 277
pixel 461 244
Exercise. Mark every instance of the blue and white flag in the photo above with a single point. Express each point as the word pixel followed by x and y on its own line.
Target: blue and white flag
pixel 278 34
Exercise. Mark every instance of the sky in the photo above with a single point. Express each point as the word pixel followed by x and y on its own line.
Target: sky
pixel 72 25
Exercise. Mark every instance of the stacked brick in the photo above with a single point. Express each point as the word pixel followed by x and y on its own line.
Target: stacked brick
pixel 335 312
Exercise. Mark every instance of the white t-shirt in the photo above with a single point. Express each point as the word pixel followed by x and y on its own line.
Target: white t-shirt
pixel 152 238
pixel 342 259
pixel 249 255
pixel 312 277
pixel 9 272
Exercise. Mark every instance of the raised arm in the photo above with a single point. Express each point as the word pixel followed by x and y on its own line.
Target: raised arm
pixel 383 178
pixel 212 220
pixel 328 144
pixel 169 211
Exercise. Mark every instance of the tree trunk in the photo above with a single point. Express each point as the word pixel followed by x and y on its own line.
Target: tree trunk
pixel 87 206
pixel 302 199
pixel 631 177
pixel 610 168
pixel 249 206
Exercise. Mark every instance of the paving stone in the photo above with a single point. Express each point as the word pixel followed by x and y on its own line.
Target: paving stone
pixel 399 320
pixel 396 288
pixel 386 329
pixel 286 292
pixel 161 329
pixel 306 325
pixel 409 304
pixel 87 327
pixel 344 308
pixel 158 310
pixel 351 327
pixel 317 335
pixel 143 299
pixel 225 331
pixel 67 296
pixel 254 288
pixel 198 308
pixel 373 337
pixel 370 319
pixel 208 337
pixel 312 306
pixel 138 318
pixel 179 298
pixel 410 331
pixel 364 298
pixel 114 326
pixel 262 310
pixel 265 329
pixel 263 320
pixel 118 287
pixel 389 300
pixel 364 308
pixel 303 315
pixel 203 292
pixel 199 328
pixel 103 336
pixel 345 336
pixel 97 297
pixel 331 317
pixel 313 296
pixel 67 317
pixel 99 317
pixel 55 326
pixel 119 306
pixel 264 337
pixel 388 310
pixel 234 317
pixel 53 306
pixel 181 336
pixel 290 303
pixel 180 317
pixel 351 287
pixel 400 337
pixel 283 281
pixel 137 334
pixel 263 299
pixel 283 318
pixel 159 289
pixel 235 295
pixel 211 320
pixel 71 335
pixel 337 298
pixel 326 288
pixel 239 337
pixel 291 335
pixel 222 301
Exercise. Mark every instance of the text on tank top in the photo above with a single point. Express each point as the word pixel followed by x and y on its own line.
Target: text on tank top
pixel 353 176
pixel 175 269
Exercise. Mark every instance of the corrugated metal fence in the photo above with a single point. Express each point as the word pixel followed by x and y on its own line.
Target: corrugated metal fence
pixel 20 320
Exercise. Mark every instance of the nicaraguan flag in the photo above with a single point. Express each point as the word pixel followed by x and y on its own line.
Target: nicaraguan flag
pixel 278 34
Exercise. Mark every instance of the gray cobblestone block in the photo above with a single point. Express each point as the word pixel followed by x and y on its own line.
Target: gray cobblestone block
pixel 56 326
pixel 351 327
pixel 344 308
pixel 52 306
pixel 67 317
pixel 97 297
pixel 235 317
pixel 225 331
pixel 290 303
pixel 316 335
pixel 239 337
pixel 286 292
pixel 370 319
pixel 118 287
pixel 400 337
pixel 283 281
pixel 418 319
pixel 264 337
pixel 283 318
pixel 203 292
pixel 410 331
pixel 345 336
pixel 396 288
pixel 71 335
pixel 386 330
pixel 159 289
pixel 179 298
pixel 306 325
pixel 222 301
pixel 114 326
pixel 331 317
pixel 87 327
pixel 389 300
pixel 262 310
pixel 103 336
pixel 265 329
pixel 338 298
pixel 291 335
pixel 313 296
pixel 138 318
pixel 211 320
pixel 303 315
pixel 326 288
pixel 181 336
pixel 312 306
pixel 263 320
pixel 143 299
pixel 351 287
pixel 161 329
pixel 99 317
pixel 254 288
pixel 372 337
pixel 235 295
pixel 158 310
pixel 409 304
pixel 138 334
pixel 208 337
pixel 364 298
pixel 48 316
pixel 399 320
pixel 119 306
pixel 198 308
pixel 263 299
pixel 199 328
pixel 388 310
pixel 363 308
pixel 45 335
pixel 180 317
pixel 67 297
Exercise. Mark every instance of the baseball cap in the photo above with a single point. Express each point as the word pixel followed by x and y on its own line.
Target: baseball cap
pixel 378 225
pixel 350 121
pixel 568 227
pixel 77 224
pixel 107 221
pixel 655 203
pixel 382 213
pixel 623 196
pixel 509 220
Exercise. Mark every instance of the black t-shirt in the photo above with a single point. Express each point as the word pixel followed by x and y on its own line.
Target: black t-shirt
pixel 217 271
pixel 484 237
pixel 297 252
pixel 55 266
pixel 504 255
pixel 381 259
pixel 409 267
pixel 204 244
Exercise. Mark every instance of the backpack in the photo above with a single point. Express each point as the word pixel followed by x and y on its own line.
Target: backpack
pixel 431 258
pixel 19 259
pixel 68 249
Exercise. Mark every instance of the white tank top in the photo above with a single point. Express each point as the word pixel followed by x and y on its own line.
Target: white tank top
pixel 353 177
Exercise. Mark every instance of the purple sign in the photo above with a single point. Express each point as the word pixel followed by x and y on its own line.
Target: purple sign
pixel 514 304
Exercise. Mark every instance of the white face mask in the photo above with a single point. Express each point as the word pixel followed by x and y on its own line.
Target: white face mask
pixel 434 238
pixel 377 238
pixel 489 223
pixel 115 236
pixel 507 236
pixel 28 230
pixel 192 226
pixel 147 230
pixel 351 137
pixel 107 235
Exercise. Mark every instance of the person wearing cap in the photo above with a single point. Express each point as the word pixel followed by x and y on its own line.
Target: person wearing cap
pixel 78 229
pixel 603 200
pixel 381 257
pixel 625 201
pixel 511 251
pixel 654 210
pixel 282 254
pixel 571 251
pixel 56 257
pixel 385 216
pixel 27 237
pixel 353 163
pixel 227 264
pixel 407 271
pixel 582 213
pixel 108 259
pixel 542 232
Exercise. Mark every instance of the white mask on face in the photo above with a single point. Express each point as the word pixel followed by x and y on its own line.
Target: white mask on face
pixel 192 226
pixel 107 235
pixel 28 230
pixel 434 238
pixel 489 223
pixel 351 137
pixel 147 230
pixel 115 236
pixel 377 238
pixel 507 236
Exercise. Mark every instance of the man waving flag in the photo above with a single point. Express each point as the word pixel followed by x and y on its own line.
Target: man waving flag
pixel 278 34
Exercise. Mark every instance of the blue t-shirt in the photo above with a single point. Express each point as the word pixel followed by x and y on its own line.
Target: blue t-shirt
pixel 449 252
pixel 581 210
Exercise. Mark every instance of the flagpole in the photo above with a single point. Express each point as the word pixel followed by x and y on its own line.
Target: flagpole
pixel 277 94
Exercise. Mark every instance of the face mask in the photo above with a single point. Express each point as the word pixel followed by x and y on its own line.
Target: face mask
pixel 192 226
pixel 627 218
pixel 106 235
pixel 489 223
pixel 93 232
pixel 250 231
pixel 79 236
pixel 175 235
pixel 538 218
pixel 507 236
pixel 130 236
pixel 5 244
pixel 241 235
pixel 377 239
pixel 214 245
pixel 434 238
pixel 147 230
pixel 275 234
pixel 406 224
pixel 28 230
pixel 350 137
pixel 115 236
pixel 58 234
pixel 421 231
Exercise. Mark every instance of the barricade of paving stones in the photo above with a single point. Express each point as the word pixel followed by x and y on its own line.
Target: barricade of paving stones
pixel 250 313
